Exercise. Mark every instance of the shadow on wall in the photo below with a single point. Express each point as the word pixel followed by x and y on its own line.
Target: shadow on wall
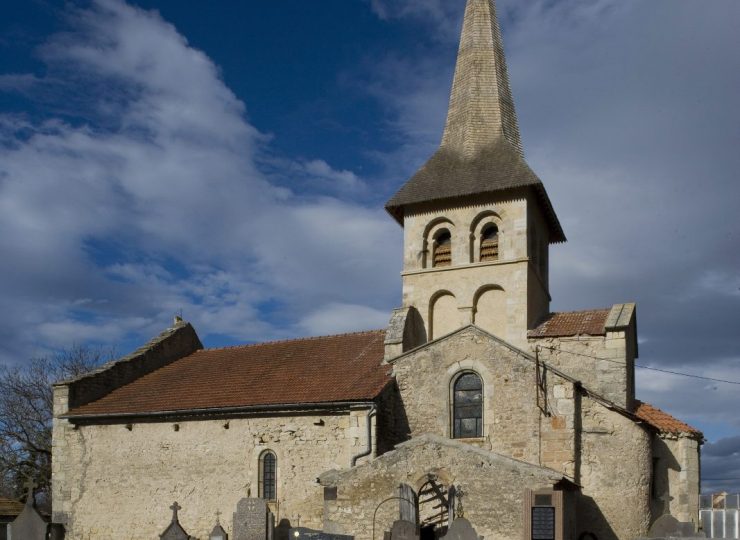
pixel 393 424
pixel 591 522
pixel 663 462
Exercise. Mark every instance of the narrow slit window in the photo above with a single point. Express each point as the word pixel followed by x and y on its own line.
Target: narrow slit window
pixel 443 249
pixel 268 476
pixel 489 244
pixel 467 407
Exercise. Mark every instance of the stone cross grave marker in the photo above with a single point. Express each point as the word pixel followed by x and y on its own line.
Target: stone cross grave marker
pixel 251 520
pixel 174 530
pixel 29 525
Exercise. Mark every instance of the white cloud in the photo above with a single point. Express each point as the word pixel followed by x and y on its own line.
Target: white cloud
pixel 338 317
pixel 156 204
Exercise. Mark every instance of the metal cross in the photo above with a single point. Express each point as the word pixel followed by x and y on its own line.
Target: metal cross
pixel 175 507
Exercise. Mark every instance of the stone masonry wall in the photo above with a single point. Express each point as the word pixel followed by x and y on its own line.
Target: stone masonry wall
pixel 494 486
pixel 514 423
pixel 602 364
pixel 468 278
pixel 677 472
pixel 110 482
pixel 615 474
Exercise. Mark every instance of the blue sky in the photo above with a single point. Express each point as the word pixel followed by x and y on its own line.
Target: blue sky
pixel 231 159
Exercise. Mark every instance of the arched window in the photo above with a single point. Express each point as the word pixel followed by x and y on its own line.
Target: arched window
pixel 268 476
pixel 443 248
pixel 489 243
pixel 467 406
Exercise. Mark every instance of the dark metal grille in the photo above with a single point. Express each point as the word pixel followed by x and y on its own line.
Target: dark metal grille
pixel 468 407
pixel 268 476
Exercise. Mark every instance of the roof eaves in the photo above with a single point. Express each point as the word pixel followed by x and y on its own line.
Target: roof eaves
pixel 221 412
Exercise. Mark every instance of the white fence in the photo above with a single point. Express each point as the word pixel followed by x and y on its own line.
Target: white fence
pixel 719 515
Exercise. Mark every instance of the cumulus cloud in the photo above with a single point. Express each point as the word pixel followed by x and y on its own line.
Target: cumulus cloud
pixel 144 197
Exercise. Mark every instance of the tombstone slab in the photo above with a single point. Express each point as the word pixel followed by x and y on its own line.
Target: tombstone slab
pixel 461 529
pixel 251 520
pixel 404 530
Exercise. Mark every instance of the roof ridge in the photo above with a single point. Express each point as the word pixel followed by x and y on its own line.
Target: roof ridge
pixel 580 310
pixel 289 340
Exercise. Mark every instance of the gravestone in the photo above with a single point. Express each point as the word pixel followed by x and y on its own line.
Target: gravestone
pixel 174 530
pixel 302 533
pixel 403 530
pixel 461 529
pixel 252 520
pixel 29 525
pixel 667 526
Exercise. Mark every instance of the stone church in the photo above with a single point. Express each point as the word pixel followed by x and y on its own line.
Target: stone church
pixel 476 400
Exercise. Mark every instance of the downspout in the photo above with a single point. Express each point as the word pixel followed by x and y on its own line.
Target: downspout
pixel 373 411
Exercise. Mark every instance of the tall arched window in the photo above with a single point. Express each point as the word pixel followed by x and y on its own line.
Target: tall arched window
pixel 268 476
pixel 443 248
pixel 467 406
pixel 489 243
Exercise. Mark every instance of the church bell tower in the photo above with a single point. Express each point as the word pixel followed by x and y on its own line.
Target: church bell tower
pixel 477 221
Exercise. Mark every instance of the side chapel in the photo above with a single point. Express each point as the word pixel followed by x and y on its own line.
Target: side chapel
pixel 476 399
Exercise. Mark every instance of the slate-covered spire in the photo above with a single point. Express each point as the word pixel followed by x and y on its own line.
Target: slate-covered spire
pixel 481 106
pixel 481 151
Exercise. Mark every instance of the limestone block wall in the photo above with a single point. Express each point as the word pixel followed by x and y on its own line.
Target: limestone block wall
pixel 677 473
pixel 603 364
pixel 495 486
pixel 112 482
pixel 615 466
pixel 460 294
pixel 514 423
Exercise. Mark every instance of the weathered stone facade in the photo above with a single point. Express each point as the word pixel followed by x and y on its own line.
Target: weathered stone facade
pixel 547 406
pixel 207 466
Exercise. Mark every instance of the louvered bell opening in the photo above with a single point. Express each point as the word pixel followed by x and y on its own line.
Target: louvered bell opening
pixel 489 245
pixel 443 250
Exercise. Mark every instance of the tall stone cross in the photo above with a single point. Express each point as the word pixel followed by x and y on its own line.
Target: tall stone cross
pixel 667 502
pixel 30 485
pixel 175 507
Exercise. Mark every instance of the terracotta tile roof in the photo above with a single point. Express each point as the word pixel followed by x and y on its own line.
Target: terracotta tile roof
pixel 663 421
pixel 327 369
pixel 9 507
pixel 572 323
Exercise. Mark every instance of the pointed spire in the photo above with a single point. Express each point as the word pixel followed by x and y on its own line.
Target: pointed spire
pixel 481 106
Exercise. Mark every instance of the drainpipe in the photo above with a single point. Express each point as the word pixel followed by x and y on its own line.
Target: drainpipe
pixel 371 413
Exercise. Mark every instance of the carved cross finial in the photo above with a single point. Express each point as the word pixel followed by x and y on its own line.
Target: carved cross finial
pixel 218 517
pixel 459 494
pixel 175 507
pixel 30 485
pixel 666 498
